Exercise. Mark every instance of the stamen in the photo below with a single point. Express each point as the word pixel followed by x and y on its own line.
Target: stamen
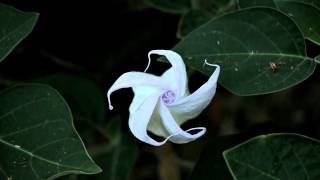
pixel 168 97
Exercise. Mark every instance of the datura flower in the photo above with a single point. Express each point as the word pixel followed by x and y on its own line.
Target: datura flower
pixel 162 103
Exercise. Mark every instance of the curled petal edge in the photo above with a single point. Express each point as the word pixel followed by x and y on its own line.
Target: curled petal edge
pixel 177 65
pixel 138 121
pixel 178 135
pixel 191 106
pixel 131 79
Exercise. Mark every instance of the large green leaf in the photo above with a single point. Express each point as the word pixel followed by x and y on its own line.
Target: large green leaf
pixel 260 50
pixel 79 92
pixel 252 3
pixel 306 13
pixel 213 6
pixel 275 156
pixel 202 11
pixel 37 136
pixel 15 25
pixel 191 20
pixel 170 6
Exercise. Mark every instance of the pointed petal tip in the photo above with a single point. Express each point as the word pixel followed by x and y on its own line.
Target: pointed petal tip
pixel 209 64
pixel 159 52
pixel 202 130
pixel 109 101
pixel 180 136
pixel 179 67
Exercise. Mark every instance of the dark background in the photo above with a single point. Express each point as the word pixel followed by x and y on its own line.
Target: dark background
pixel 103 39
pixel 97 35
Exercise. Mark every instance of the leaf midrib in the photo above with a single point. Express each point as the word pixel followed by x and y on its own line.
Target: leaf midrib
pixel 26 151
pixel 252 54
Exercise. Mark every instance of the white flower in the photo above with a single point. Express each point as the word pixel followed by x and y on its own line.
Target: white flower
pixel 162 103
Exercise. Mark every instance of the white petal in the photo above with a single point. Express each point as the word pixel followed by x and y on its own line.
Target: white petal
pixel 191 106
pixel 139 120
pixel 169 76
pixel 178 135
pixel 131 79
pixel 178 67
pixel 141 93
pixel 155 125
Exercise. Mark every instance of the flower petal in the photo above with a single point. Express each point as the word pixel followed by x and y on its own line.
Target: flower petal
pixel 155 125
pixel 169 76
pixel 141 93
pixel 178 135
pixel 139 120
pixel 191 106
pixel 131 79
pixel 178 67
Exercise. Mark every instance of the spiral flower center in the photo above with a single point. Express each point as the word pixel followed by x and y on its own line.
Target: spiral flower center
pixel 168 97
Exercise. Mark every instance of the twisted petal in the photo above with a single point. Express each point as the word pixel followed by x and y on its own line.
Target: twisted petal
pixel 132 79
pixel 139 120
pixel 169 76
pixel 179 69
pixel 177 134
pixel 191 106
pixel 141 93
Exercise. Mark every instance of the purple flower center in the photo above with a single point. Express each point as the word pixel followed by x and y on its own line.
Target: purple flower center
pixel 168 97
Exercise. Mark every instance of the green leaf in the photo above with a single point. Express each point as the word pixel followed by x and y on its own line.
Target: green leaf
pixel 252 3
pixel 211 164
pixel 275 156
pixel 202 12
pixel 305 13
pixel 214 6
pixel 192 20
pixel 260 51
pixel 14 27
pixel 37 136
pixel 170 6
pixel 85 98
pixel 117 159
